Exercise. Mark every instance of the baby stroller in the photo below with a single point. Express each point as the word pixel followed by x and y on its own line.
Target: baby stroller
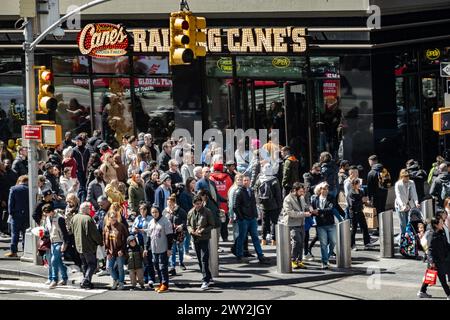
pixel 409 241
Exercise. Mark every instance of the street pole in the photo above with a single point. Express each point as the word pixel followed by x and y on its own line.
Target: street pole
pixel 30 250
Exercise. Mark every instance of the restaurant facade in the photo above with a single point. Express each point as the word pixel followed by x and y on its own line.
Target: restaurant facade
pixel 333 84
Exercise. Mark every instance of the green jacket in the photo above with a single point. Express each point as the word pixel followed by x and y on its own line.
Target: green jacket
pixel 135 196
pixel 204 220
pixel 87 236
pixel 290 171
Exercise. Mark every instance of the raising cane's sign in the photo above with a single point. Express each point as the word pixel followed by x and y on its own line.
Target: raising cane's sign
pixel 103 40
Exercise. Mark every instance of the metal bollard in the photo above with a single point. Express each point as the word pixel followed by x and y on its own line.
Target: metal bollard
pixel 214 252
pixel 343 245
pixel 283 248
pixel 427 207
pixel 387 234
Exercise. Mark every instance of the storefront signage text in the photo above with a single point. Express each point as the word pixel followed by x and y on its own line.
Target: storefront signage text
pixel 231 40
pixel 103 40
pixel 433 54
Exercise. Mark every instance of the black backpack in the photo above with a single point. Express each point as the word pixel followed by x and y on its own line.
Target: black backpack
pixel 265 192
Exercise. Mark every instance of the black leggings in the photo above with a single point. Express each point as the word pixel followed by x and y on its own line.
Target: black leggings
pixel 311 245
pixel 442 271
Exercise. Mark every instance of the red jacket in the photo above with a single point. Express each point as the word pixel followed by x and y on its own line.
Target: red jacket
pixel 70 162
pixel 223 184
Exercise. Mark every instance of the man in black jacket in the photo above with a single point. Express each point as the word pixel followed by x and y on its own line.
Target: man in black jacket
pixel 246 213
pixel 81 155
pixel 165 156
pixel 47 199
pixel 94 141
pixel 20 165
pixel 8 179
pixel 377 195
pixel 436 186
pixel 312 178
pixel 418 175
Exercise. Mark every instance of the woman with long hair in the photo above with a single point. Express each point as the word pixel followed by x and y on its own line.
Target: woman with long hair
pixel 405 198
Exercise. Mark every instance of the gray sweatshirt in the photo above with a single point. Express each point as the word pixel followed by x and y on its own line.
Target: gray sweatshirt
pixel 158 234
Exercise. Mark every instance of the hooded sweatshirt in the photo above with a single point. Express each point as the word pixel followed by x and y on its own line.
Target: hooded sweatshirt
pixel 223 183
pixel 419 177
pixel 266 177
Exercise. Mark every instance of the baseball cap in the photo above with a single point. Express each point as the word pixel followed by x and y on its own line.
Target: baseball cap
pixel 47 192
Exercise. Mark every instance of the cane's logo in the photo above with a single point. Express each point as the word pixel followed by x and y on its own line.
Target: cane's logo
pixel 433 54
pixel 281 62
pixel 103 40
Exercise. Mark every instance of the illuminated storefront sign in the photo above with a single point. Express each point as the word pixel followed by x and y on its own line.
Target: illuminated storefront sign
pixel 433 54
pixel 232 40
pixel 103 40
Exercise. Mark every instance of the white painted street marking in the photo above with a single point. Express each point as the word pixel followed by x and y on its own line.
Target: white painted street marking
pixel 45 294
pixel 38 285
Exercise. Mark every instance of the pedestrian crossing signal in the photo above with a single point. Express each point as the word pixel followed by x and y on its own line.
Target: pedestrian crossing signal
pixel 441 121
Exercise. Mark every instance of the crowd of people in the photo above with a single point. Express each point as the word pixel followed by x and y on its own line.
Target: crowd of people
pixel 144 209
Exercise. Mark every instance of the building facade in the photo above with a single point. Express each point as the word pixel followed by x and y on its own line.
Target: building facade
pixel 324 73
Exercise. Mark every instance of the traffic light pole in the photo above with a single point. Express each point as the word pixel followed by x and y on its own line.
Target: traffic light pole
pixel 30 250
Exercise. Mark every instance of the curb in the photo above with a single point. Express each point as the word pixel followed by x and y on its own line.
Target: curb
pixel 19 273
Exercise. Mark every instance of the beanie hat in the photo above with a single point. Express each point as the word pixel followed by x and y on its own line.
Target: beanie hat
pixel 218 166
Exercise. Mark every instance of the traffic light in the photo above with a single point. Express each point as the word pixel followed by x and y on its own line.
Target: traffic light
pixel 196 35
pixel 47 104
pixel 179 39
pixel 441 121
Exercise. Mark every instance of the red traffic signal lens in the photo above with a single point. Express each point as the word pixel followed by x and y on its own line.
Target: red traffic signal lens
pixel 181 23
pixel 185 25
pixel 47 75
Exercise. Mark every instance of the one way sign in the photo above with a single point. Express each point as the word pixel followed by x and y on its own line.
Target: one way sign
pixel 445 69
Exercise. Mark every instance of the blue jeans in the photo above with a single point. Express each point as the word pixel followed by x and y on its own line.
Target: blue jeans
pixel 180 248
pixel 17 227
pixel 403 218
pixel 118 274
pixel 327 238
pixel 187 242
pixel 245 226
pixel 56 264
pixel 161 261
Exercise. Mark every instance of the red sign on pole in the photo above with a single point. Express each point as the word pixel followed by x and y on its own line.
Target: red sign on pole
pixel 32 132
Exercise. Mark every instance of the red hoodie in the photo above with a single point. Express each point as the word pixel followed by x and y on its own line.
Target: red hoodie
pixel 223 184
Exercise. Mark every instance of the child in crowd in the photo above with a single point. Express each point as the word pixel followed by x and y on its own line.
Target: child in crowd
pixel 135 263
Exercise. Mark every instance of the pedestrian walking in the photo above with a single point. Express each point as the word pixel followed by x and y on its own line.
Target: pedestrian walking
pixel 405 198
pixel 200 223
pixel 87 238
pixel 295 209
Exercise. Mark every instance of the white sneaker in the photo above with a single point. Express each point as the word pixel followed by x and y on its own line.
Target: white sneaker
pixel 309 257
pixel 121 286
pixel 115 284
pixel 325 266
pixel 103 273
pixel 47 283
pixel 52 285
pixel 205 286
pixel 421 294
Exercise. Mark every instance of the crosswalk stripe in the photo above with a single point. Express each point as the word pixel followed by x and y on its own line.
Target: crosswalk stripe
pixel 46 294
pixel 38 285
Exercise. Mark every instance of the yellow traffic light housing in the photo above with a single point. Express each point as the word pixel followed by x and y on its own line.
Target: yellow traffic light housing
pixel 179 52
pixel 441 121
pixel 46 101
pixel 197 37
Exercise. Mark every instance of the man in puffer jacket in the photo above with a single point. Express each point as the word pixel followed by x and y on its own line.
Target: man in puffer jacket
pixel 268 200
pixel 223 183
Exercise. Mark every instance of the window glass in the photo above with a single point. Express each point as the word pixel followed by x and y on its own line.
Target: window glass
pixel 112 65
pixel 74 104
pixel 153 107
pixel 10 65
pixel 271 67
pixel 12 107
pixel 219 100
pixel 405 62
pixel 70 64
pixel 327 67
pixel 148 65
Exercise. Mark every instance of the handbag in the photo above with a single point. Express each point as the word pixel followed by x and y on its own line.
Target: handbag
pixel 430 277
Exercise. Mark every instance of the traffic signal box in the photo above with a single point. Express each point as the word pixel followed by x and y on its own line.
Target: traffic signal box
pixel 186 38
pixel 441 121
pixel 47 104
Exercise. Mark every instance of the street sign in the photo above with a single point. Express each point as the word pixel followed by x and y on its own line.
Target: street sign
pixel 445 69
pixel 31 132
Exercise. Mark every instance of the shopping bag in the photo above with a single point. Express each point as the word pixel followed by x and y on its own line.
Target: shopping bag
pixel 101 254
pixel 430 277
pixel 370 213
